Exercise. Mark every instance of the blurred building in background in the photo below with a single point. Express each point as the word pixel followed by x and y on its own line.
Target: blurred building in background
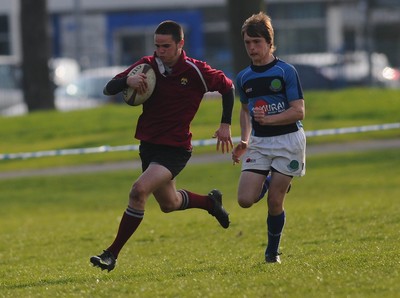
pixel 102 33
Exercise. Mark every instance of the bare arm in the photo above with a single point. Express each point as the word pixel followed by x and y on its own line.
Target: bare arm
pixel 223 133
pixel 245 123
pixel 245 130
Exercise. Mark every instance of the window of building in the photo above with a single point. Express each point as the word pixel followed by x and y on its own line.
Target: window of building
pixel 299 27
pixel 349 40
pixel 4 36
pixel 132 44
pixel 302 40
pixel 285 11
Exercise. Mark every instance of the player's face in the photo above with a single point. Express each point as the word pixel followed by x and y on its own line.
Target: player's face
pixel 167 49
pixel 258 49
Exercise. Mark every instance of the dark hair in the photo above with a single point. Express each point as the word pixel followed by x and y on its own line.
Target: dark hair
pixel 259 25
pixel 170 28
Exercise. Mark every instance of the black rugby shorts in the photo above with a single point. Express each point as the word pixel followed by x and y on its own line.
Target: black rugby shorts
pixel 173 158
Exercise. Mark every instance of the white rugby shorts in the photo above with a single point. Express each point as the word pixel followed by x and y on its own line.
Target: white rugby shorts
pixel 285 153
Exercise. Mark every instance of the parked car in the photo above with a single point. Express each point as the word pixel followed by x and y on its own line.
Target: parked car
pixel 86 91
pixel 312 78
pixel 62 71
pixel 393 76
pixel 347 69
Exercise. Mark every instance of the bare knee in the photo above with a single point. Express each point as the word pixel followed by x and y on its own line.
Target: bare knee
pixel 168 201
pixel 245 202
pixel 137 195
pixel 167 208
pixel 275 205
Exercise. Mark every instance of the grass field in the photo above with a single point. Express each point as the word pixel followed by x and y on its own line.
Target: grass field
pixel 341 237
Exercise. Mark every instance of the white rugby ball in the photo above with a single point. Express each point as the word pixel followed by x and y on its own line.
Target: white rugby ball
pixel 130 95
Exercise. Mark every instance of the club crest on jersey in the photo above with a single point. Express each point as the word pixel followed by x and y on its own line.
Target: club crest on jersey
pixel 276 85
pixel 184 81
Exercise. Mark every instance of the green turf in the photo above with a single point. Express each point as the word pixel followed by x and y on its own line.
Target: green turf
pixel 340 238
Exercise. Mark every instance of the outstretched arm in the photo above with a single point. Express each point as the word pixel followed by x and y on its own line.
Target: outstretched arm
pixel 223 134
pixel 245 130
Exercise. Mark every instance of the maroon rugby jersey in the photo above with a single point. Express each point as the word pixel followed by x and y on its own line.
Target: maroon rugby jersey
pixel 167 114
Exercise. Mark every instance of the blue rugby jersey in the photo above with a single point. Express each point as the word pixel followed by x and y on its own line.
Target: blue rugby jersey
pixel 270 87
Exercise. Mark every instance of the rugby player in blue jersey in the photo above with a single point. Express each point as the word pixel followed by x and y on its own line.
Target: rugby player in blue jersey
pixel 272 138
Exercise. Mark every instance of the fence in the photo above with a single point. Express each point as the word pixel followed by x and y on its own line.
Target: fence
pixel 195 143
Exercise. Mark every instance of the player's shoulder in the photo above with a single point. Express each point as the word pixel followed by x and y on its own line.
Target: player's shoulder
pixel 245 70
pixel 150 60
pixel 284 64
pixel 144 60
pixel 197 63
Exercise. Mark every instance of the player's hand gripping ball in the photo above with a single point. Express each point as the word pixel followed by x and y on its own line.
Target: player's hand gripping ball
pixel 130 95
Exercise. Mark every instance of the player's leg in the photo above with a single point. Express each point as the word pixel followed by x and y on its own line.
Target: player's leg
pixel 150 179
pixel 167 196
pixel 265 188
pixel 250 187
pixel 289 163
pixel 171 199
pixel 174 160
pixel 255 169
pixel 278 187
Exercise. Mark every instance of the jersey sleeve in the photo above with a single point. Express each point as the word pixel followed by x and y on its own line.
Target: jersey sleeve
pixel 214 79
pixel 293 86
pixel 239 84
